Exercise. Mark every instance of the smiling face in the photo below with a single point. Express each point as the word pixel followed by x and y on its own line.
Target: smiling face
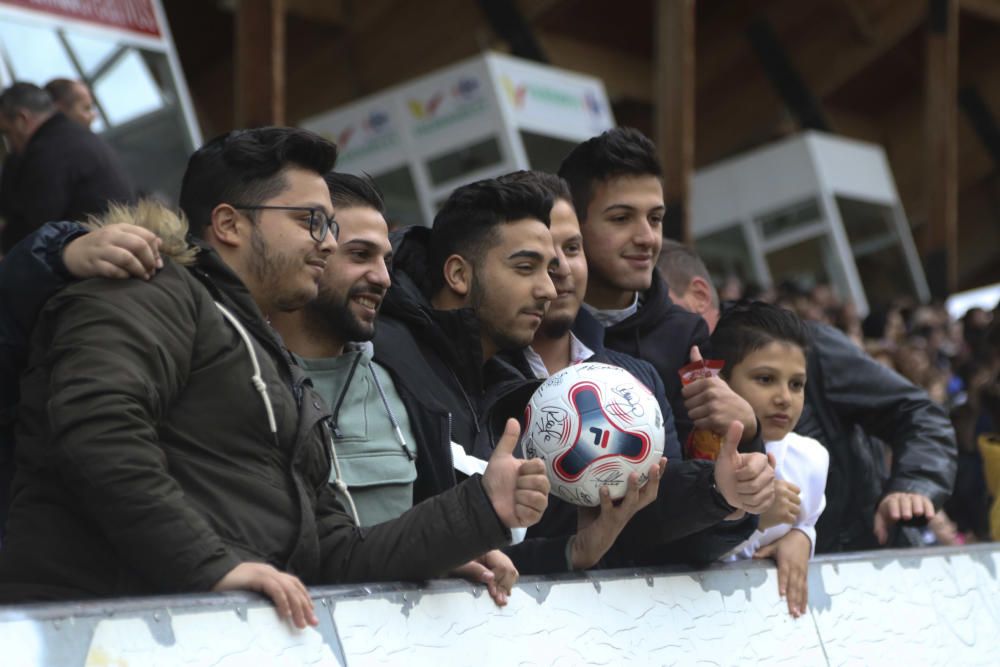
pixel 511 288
pixel 283 262
pixel 356 277
pixel 622 236
pixel 570 276
pixel 772 380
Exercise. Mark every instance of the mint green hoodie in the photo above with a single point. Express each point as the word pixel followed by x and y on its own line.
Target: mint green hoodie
pixel 374 448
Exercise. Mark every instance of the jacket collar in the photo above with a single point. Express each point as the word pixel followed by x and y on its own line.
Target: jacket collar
pixel 653 306
pixel 453 334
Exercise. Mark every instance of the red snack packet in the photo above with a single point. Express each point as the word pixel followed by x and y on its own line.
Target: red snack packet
pixel 702 444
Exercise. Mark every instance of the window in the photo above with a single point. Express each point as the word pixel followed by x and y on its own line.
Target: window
pixel 797 215
pixel 545 153
pixel 402 206
pixel 456 164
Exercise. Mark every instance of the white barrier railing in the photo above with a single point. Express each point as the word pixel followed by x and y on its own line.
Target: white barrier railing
pixel 912 607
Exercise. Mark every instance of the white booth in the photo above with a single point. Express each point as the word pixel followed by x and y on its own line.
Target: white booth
pixel 815 208
pixel 477 119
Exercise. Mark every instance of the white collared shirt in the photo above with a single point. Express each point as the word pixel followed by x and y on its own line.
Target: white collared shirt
pixel 577 352
pixel 609 318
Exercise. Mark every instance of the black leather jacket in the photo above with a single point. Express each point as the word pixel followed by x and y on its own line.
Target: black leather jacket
pixel 850 396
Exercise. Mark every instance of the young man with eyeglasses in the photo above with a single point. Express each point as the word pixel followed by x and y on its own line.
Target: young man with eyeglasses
pixel 166 443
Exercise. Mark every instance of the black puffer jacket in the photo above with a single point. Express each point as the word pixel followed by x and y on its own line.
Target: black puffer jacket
pixel 848 396
pixel 147 463
pixel 29 274
pixel 662 333
pixel 66 172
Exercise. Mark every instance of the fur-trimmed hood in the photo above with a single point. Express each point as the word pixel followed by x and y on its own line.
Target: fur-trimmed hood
pixel 171 227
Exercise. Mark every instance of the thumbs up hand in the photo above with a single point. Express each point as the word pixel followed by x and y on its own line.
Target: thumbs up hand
pixel 746 481
pixel 518 489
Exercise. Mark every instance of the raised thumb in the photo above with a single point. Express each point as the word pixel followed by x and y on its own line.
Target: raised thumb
pixel 508 441
pixel 695 354
pixel 731 442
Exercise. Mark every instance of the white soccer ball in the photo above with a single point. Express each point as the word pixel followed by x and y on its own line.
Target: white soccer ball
pixel 593 425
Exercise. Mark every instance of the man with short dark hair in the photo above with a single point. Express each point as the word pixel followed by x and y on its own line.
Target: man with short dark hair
pixel 475 284
pixel 471 288
pixel 73 99
pixel 390 449
pixel 167 444
pixel 57 169
pixel 615 180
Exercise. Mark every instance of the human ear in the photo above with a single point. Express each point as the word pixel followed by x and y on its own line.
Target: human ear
pixel 458 275
pixel 225 224
pixel 701 294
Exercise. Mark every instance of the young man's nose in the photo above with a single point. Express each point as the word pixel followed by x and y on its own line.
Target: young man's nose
pixel 545 288
pixel 644 234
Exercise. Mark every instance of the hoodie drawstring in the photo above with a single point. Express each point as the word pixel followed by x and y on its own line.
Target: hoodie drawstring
pixel 255 379
pixel 339 482
pixel 341 485
pixel 392 418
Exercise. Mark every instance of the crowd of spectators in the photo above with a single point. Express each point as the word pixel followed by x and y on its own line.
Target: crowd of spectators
pixel 288 272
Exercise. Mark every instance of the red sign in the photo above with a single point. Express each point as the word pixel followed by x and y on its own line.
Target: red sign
pixel 132 15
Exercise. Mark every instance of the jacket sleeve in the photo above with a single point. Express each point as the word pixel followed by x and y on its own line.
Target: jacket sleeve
pixel 888 406
pixel 686 523
pixel 671 445
pixel 116 358
pixel 45 184
pixel 29 275
pixel 812 465
pixel 428 540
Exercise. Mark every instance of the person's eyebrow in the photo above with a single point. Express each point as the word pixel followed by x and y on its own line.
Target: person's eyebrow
pixel 362 242
pixel 629 207
pixel 526 254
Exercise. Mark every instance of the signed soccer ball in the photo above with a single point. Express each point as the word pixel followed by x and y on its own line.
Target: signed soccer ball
pixel 593 425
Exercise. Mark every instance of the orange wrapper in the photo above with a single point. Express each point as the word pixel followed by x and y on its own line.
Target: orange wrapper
pixel 702 444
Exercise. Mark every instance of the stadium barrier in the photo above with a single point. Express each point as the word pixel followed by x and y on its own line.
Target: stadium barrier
pixel 911 607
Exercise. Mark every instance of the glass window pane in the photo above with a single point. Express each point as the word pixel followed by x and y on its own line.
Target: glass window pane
pixel 865 222
pixel 402 207
pixel 726 254
pixel 799 214
pixel 35 54
pixel 127 90
pixel 808 263
pixel 877 250
pixel 464 160
pixel 90 52
pixel 545 153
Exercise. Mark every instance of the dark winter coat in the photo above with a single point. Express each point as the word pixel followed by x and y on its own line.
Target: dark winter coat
pixel 66 172
pixel 850 396
pixel 146 463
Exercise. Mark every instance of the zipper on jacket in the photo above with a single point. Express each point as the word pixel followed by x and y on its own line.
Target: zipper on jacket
pixel 451 456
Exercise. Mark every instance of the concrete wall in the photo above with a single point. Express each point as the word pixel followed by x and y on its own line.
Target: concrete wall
pixel 916 607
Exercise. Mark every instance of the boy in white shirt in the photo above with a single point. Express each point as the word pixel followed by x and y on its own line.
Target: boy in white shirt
pixel 764 349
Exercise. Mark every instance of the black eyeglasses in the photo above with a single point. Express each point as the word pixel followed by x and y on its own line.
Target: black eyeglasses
pixel 319 222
